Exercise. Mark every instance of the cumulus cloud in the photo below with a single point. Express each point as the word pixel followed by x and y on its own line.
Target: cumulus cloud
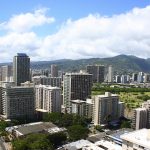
pixel 26 21
pixel 91 36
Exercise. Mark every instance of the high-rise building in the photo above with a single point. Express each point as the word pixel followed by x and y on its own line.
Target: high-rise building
pixel 21 68
pixel 76 86
pixel 82 108
pixel 48 98
pixel 134 77
pixel 141 117
pixel 124 79
pixel 110 74
pixel 106 108
pixel 146 78
pixel 78 107
pixel 1 100
pixel 17 102
pixel 54 71
pixel 118 79
pixel 121 108
pixel 0 74
pixel 6 73
pixel 139 120
pixel 140 77
pixel 147 106
pixel 53 81
pixel 97 71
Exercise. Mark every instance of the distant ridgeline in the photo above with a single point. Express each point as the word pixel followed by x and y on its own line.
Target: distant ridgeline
pixel 121 64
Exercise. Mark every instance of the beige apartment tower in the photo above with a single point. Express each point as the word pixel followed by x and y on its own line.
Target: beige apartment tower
pixel 140 118
pixel 17 102
pixel 110 74
pixel 48 98
pixel 106 108
pixel 6 73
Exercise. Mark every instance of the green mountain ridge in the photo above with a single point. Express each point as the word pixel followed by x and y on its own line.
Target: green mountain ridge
pixel 120 63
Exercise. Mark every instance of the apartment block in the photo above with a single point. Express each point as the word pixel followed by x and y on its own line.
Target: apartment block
pixel 141 116
pixel 110 74
pixel 54 70
pixel 139 120
pixel 106 108
pixel 17 102
pixel 78 107
pixel 21 68
pixel 76 86
pixel 44 80
pixel 6 73
pixel 97 71
pixel 48 98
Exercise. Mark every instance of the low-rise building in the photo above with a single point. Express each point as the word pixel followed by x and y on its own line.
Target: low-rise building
pixel 86 145
pixel 37 127
pixel 136 140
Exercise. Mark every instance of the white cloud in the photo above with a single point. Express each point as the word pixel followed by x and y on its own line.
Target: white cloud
pixel 26 21
pixel 92 36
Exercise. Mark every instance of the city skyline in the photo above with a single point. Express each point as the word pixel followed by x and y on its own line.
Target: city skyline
pixel 52 30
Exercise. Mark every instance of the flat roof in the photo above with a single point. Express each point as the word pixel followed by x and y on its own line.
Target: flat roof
pixel 112 95
pixel 92 147
pixel 22 54
pixel 31 127
pixel 77 145
pixel 56 129
pixel 41 110
pixel 139 137
pixel 78 101
pixel 47 87
pixel 116 135
pixel 140 109
pixel 78 73
pixel 108 145
pixel 96 137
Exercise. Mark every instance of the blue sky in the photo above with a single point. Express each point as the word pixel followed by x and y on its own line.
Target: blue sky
pixel 70 16
pixel 63 9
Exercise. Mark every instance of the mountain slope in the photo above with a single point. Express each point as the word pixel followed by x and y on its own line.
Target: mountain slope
pixel 120 63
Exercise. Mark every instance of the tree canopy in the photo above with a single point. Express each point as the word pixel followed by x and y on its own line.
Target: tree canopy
pixel 77 132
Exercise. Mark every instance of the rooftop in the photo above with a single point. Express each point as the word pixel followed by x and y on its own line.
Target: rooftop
pixel 86 145
pixel 22 54
pixel 77 145
pixel 96 137
pixel 107 94
pixel 108 145
pixel 46 87
pixel 140 109
pixel 41 110
pixel 78 101
pixel 140 137
pixel 78 73
pixel 31 128
pixel 116 135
